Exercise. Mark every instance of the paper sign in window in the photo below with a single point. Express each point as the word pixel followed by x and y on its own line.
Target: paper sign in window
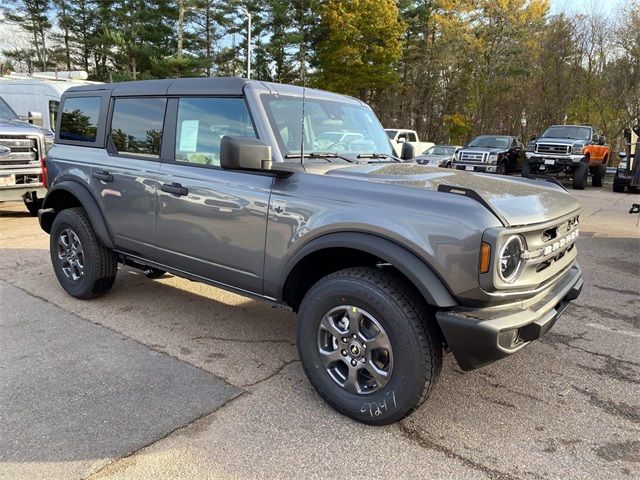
pixel 189 135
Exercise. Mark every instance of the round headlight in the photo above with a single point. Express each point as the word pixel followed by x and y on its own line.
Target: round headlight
pixel 511 259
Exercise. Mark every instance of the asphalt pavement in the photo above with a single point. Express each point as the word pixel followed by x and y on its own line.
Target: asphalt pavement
pixel 174 379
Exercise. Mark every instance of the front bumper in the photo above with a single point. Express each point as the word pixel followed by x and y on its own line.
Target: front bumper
pixel 553 160
pixel 478 337
pixel 475 167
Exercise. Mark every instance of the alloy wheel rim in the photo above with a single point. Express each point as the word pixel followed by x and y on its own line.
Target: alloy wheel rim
pixel 71 255
pixel 355 350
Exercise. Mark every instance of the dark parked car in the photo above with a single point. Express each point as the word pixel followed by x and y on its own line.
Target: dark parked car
pixel 388 263
pixel 438 156
pixel 499 154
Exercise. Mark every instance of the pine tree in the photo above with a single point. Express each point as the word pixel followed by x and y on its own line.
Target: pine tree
pixel 360 43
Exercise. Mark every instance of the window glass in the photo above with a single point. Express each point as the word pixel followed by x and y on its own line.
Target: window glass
pixel 53 113
pixel 330 126
pixel 136 126
pixel 80 119
pixel 412 137
pixel 202 122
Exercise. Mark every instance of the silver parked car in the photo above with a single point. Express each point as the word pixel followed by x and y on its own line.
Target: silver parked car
pixel 389 264
pixel 438 155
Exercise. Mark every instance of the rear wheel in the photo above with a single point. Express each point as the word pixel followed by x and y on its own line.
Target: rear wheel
pixel 33 204
pixel 597 178
pixel 617 186
pixel 580 174
pixel 85 268
pixel 368 345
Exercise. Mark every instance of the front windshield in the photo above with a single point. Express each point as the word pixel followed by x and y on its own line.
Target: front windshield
pixel 440 150
pixel 490 142
pixel 6 111
pixel 564 131
pixel 329 126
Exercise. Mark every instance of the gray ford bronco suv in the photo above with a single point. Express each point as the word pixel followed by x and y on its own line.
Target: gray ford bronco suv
pixel 387 263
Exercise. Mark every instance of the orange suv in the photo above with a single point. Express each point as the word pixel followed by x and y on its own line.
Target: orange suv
pixel 575 149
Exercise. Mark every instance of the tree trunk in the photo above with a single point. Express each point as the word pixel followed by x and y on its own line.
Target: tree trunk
pixel 181 11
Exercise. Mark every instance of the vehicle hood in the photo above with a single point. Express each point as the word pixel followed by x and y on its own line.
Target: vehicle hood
pixel 519 201
pixel 560 141
pixel 10 126
pixel 484 149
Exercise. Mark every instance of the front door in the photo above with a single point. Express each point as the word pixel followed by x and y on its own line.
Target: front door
pixel 125 175
pixel 212 222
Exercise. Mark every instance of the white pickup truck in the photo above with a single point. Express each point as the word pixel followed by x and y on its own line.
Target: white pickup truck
pixel 399 136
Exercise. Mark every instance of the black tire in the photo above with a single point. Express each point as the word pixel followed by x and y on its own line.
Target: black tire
pixel 502 168
pixel 597 178
pixel 411 331
pixel 580 174
pixel 33 206
pixel 154 273
pixel 617 186
pixel 526 169
pixel 99 263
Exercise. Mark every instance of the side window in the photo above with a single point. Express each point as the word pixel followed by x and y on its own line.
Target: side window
pixel 402 135
pixel 412 137
pixel 79 120
pixel 202 122
pixel 136 126
pixel 514 143
pixel 54 105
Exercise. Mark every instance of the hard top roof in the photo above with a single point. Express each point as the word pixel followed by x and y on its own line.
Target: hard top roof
pixel 231 86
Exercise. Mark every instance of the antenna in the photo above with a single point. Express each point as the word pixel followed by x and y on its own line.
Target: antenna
pixel 303 72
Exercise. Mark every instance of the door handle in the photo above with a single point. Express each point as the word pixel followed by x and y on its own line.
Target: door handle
pixel 103 176
pixel 175 189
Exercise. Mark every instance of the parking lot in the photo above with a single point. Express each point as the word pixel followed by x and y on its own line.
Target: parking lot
pixel 173 379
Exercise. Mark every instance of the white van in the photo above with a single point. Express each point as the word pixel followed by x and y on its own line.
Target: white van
pixel 36 98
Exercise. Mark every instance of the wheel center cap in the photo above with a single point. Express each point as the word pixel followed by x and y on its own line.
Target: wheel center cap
pixel 355 349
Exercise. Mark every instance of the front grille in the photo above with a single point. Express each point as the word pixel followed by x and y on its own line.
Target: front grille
pixel 474 157
pixel 553 149
pixel 24 152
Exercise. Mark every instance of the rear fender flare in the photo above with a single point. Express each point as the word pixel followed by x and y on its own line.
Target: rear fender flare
pixel 87 201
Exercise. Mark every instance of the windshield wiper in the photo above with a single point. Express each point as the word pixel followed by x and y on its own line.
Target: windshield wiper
pixel 379 155
pixel 324 155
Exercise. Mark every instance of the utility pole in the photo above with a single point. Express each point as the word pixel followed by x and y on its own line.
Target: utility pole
pixel 248 14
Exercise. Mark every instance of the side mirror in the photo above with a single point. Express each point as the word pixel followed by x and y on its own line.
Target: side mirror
pixel 402 140
pixel 533 138
pixel 244 153
pixel 408 152
pixel 35 118
pixel 601 140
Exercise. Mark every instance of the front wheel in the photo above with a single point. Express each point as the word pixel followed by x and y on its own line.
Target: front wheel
pixel 526 170
pixel 502 168
pixel 368 345
pixel 580 174
pixel 85 268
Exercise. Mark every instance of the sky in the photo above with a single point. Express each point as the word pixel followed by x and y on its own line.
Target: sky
pixel 578 6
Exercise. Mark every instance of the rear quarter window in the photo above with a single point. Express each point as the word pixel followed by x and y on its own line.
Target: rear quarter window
pixel 79 119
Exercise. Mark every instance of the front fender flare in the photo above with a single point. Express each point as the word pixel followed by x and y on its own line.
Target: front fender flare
pixel 87 201
pixel 430 285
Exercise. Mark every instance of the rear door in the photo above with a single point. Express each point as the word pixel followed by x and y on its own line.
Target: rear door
pixel 211 222
pixel 124 177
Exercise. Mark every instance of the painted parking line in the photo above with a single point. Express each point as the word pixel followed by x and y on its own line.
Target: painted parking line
pixel 613 330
